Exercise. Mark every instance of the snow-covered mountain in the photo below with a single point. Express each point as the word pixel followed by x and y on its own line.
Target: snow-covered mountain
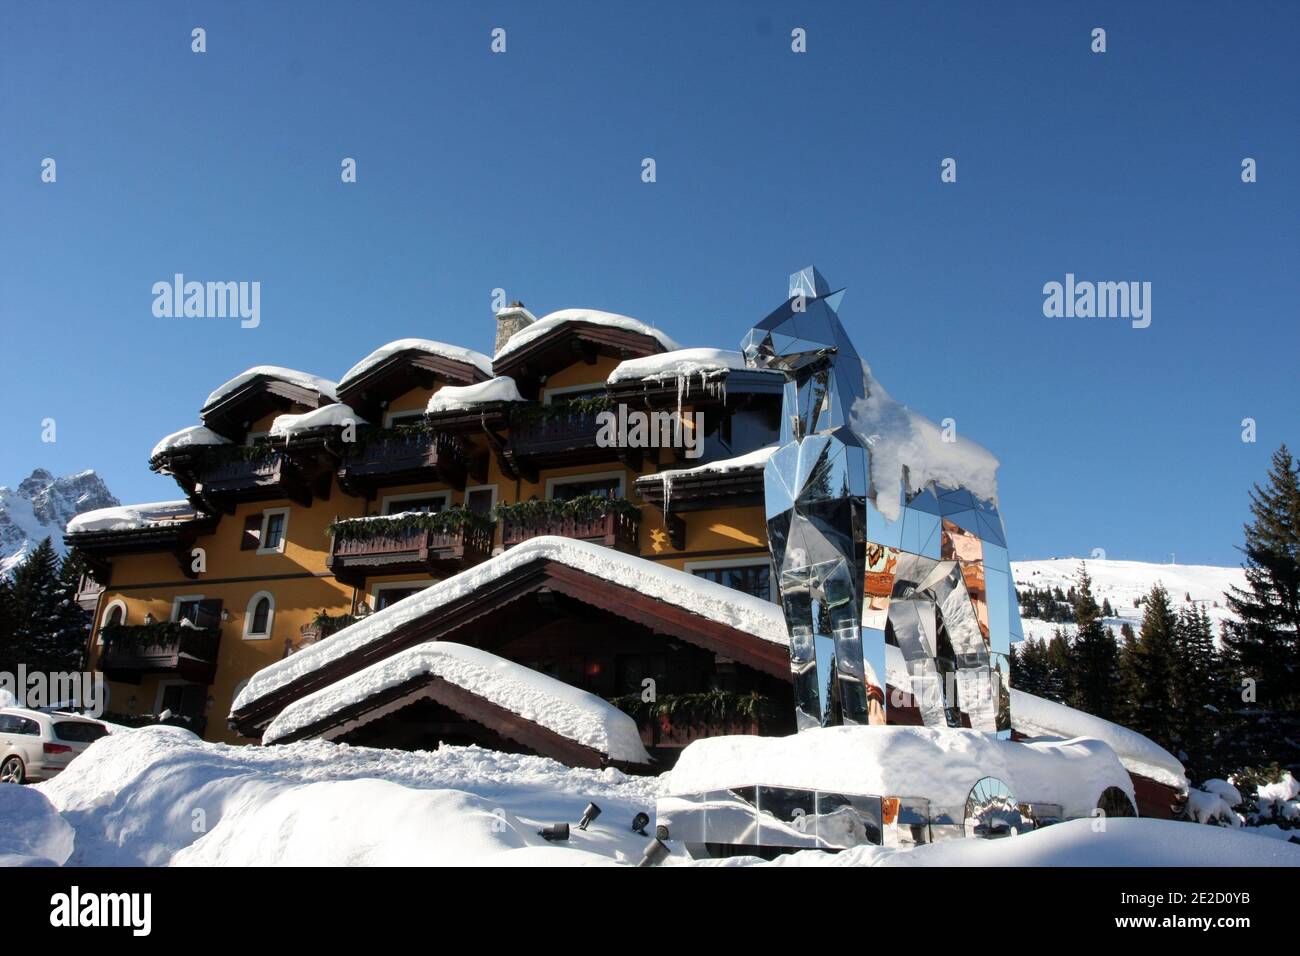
pixel 40 507
pixel 1123 582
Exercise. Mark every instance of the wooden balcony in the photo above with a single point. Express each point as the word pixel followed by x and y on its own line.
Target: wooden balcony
pixel 131 651
pixel 403 457
pixel 414 550
pixel 556 440
pixel 225 482
pixel 615 529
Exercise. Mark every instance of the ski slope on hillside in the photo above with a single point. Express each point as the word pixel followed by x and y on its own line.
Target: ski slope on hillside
pixel 1123 582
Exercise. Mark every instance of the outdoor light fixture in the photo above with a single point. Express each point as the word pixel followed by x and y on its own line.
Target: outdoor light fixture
pixel 656 851
pixel 588 815
pixel 555 833
pixel 148 617
pixel 225 614
pixel 640 822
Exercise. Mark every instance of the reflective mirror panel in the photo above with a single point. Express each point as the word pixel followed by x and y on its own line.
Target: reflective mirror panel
pixel 991 810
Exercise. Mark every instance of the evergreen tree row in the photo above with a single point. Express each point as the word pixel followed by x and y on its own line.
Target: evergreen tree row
pixel 41 624
pixel 1221 707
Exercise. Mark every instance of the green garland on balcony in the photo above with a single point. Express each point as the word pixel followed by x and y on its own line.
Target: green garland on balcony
pixel 529 414
pixel 702 707
pixel 581 508
pixel 137 638
pixel 450 521
pixel 209 455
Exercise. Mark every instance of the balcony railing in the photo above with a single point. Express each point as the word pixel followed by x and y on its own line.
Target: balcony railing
pixel 554 438
pixel 409 550
pixel 615 528
pixel 402 456
pixel 242 476
pixel 132 650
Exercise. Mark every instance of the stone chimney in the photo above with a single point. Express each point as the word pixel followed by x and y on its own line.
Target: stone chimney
pixel 509 321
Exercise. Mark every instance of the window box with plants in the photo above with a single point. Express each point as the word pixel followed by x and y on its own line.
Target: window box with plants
pixel 612 522
pixel 412 541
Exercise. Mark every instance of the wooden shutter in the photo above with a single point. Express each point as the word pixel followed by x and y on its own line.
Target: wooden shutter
pixel 252 533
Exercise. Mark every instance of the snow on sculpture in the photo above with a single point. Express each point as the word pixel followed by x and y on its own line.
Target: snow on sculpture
pixel 860 566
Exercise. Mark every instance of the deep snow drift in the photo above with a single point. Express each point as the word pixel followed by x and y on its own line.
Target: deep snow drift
pixel 160 796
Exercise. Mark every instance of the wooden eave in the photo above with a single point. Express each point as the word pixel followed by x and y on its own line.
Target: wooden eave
pixel 742 387
pixel 734 489
pixel 568 343
pixel 533 736
pixel 370 392
pixel 231 415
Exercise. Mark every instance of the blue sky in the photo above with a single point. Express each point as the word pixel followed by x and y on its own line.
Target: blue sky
pixel 522 171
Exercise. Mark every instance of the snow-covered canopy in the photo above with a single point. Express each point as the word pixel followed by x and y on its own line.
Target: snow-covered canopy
pixel 682 363
pixel 751 459
pixel 454 352
pixel 905 444
pixel 1044 719
pixel 939 764
pixel 710 600
pixel 324 386
pixel 188 437
pixel 131 517
pixel 458 398
pixel 554 320
pixel 562 708
pixel 286 426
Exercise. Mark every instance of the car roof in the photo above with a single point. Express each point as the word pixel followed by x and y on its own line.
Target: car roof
pixel 49 715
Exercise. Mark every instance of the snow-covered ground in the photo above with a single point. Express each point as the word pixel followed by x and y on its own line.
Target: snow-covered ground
pixel 160 796
pixel 1123 582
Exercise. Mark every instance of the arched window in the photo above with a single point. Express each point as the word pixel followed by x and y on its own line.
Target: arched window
pixel 115 613
pixel 259 618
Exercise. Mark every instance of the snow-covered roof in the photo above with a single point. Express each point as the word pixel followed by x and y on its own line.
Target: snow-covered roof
pixel 188 437
pixel 1036 717
pixel 324 386
pixel 131 517
pixel 441 349
pixel 905 443
pixel 456 398
pixel 286 426
pixel 940 764
pixel 554 320
pixel 569 711
pixel 683 363
pixel 707 599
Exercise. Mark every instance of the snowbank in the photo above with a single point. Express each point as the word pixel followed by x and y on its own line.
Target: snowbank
pixel 322 385
pixel 1124 842
pixel 32 833
pixel 193 436
pixel 441 349
pixel 455 398
pixel 907 445
pixel 682 364
pixel 939 764
pixel 1036 717
pixel 1205 807
pixel 568 711
pixel 156 797
pixel 286 426
pixel 131 517
pixel 708 599
pixel 544 325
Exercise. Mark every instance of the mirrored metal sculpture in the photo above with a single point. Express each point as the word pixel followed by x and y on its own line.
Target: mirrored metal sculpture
pixel 935 582
pixel 991 810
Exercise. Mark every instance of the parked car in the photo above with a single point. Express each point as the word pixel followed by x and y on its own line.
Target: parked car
pixel 36 745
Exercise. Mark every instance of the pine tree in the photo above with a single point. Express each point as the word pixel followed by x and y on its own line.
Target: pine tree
pixel 1130 677
pixel 1153 705
pixel 1030 667
pixel 1059 682
pixel 1195 692
pixel 1095 671
pixel 1263 643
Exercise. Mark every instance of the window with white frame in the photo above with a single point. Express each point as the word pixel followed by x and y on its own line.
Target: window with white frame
pixel 409 417
pixel 115 613
pixel 259 616
pixel 275 523
pixel 481 499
